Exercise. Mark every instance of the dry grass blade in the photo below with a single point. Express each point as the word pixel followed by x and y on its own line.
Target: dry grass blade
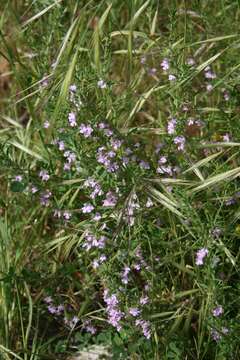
pixel 216 179
pixel 165 201
pixel 41 13
pixel 202 162
pixel 27 150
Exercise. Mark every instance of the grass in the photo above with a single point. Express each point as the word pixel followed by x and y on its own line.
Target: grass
pixel 117 261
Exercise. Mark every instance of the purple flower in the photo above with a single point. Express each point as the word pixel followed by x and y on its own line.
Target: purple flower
pixel 48 299
pixel 67 215
pixel 44 198
pixel 110 200
pixel 144 165
pixel 144 300
pixel 34 189
pixel 86 130
pixel 43 174
pixel 209 87
pixel 149 203
pixel 190 61
pixel 165 64
pixel 114 314
pixel 162 160
pixel 52 309
pixel 101 84
pixel 116 143
pixel 72 119
pixel 180 142
pixel 172 77
pixel 18 178
pixel 145 325
pixel 61 145
pixel 226 138
pixel 134 311
pixel 97 217
pixel 171 126
pixel 218 311
pixel 200 256
pixel 124 276
pixel 87 208
pixel 46 124
pixel 73 88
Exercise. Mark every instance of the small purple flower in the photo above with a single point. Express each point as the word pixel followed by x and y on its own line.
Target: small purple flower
pixel 144 165
pixel 110 200
pixel 52 309
pixel 97 217
pixel 43 174
pixel 172 77
pixel 101 84
pixel 67 215
pixel 18 178
pixel 124 276
pixel 165 64
pixel 72 119
pixel 149 203
pixel 218 311
pixel 209 87
pixel 46 124
pixel 144 300
pixel 61 145
pixel 180 142
pixel 48 299
pixel 87 208
pixel 34 189
pixel 190 61
pixel 143 60
pixel 73 88
pixel 86 130
pixel 134 311
pixel 200 256
pixel 162 160
pixel 226 138
pixel 171 126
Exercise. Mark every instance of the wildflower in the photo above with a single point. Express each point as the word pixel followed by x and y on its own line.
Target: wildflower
pixel 114 314
pixel 101 84
pixel 73 88
pixel 43 174
pixel 52 309
pixel 134 311
pixel 44 198
pixel 180 142
pixel 145 325
pixel 226 138
pixel 124 276
pixel 144 300
pixel 190 61
pixel 209 74
pixel 143 60
pixel 46 124
pixel 18 178
pixel 171 126
pixel 149 203
pixel 144 165
pixel 97 217
pixel 218 311
pixel 116 143
pixel 165 64
pixel 67 167
pixel 72 119
pixel 172 77
pixel 34 189
pixel 61 145
pixel 201 255
pixel 57 214
pixel 110 200
pixel 86 130
pixel 48 299
pixel 60 308
pixel 209 87
pixel 162 160
pixel 67 215
pixel 87 208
